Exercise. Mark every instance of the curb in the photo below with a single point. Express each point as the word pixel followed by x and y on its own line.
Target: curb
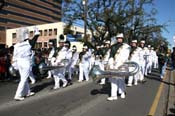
pixel 171 97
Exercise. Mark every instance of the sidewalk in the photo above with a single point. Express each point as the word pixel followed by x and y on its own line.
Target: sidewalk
pixel 171 97
pixel 166 103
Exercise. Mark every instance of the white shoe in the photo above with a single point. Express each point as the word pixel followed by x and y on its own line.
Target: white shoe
pixel 123 95
pixel 79 80
pixel 129 85
pixel 101 83
pixel 65 84
pixel 48 77
pixel 19 98
pixel 135 84
pixel 56 88
pixel 112 98
pixel 30 94
pixel 33 82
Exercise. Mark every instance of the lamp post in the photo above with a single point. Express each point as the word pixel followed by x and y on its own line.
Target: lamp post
pixel 84 2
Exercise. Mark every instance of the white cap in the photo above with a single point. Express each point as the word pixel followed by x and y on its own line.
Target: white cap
pixel 149 46
pixel 152 48
pixel 120 35
pixel 134 41
pixel 26 36
pixel 142 41
pixel 22 34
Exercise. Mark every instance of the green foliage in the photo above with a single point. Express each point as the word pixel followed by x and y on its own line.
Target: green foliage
pixel 106 18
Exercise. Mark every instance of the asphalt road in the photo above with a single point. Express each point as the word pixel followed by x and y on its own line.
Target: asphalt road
pixel 79 99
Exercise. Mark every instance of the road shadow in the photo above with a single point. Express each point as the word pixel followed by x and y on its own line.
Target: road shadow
pixel 156 76
pixel 41 86
pixel 105 89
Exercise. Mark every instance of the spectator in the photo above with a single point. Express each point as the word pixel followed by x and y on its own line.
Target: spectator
pixel 173 58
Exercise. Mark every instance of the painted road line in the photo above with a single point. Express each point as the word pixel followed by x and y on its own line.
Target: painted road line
pixel 156 99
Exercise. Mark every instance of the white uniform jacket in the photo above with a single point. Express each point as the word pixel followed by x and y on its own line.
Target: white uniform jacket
pixel 120 57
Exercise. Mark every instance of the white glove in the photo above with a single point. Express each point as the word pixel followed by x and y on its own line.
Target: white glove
pixel 36 31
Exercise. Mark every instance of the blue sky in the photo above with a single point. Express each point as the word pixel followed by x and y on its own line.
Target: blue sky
pixel 166 14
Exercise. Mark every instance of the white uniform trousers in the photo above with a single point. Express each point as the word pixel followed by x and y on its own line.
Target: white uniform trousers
pixel 59 74
pixel 162 73
pixel 155 63
pixel 83 71
pixel 69 70
pixel 101 65
pixel 133 77
pixel 142 71
pixel 117 84
pixel 24 70
pixel 31 76
pixel 148 68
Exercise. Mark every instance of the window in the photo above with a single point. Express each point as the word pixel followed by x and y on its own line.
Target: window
pixel 45 32
pixel 13 35
pixel 45 44
pixel 39 45
pixel 55 31
pixel 50 32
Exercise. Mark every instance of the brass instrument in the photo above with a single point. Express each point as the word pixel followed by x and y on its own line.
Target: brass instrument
pixel 43 68
pixel 123 71
pixel 14 72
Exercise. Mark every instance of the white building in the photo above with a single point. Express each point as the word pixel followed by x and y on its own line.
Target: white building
pixel 48 32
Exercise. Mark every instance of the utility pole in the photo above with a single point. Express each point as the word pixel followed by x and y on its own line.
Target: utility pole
pixel 84 2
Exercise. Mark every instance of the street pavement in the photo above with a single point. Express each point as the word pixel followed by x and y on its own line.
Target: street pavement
pixel 81 99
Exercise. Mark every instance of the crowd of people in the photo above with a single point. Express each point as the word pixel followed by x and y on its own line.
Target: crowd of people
pixel 24 58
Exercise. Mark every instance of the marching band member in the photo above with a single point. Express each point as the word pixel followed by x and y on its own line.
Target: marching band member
pixel 118 55
pixel 142 60
pixel 135 57
pixel 22 59
pixel 84 64
pixel 98 60
pixel 74 60
pixel 52 51
pixel 91 62
pixel 59 73
pixel 148 61
pixel 68 56
pixel 155 58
